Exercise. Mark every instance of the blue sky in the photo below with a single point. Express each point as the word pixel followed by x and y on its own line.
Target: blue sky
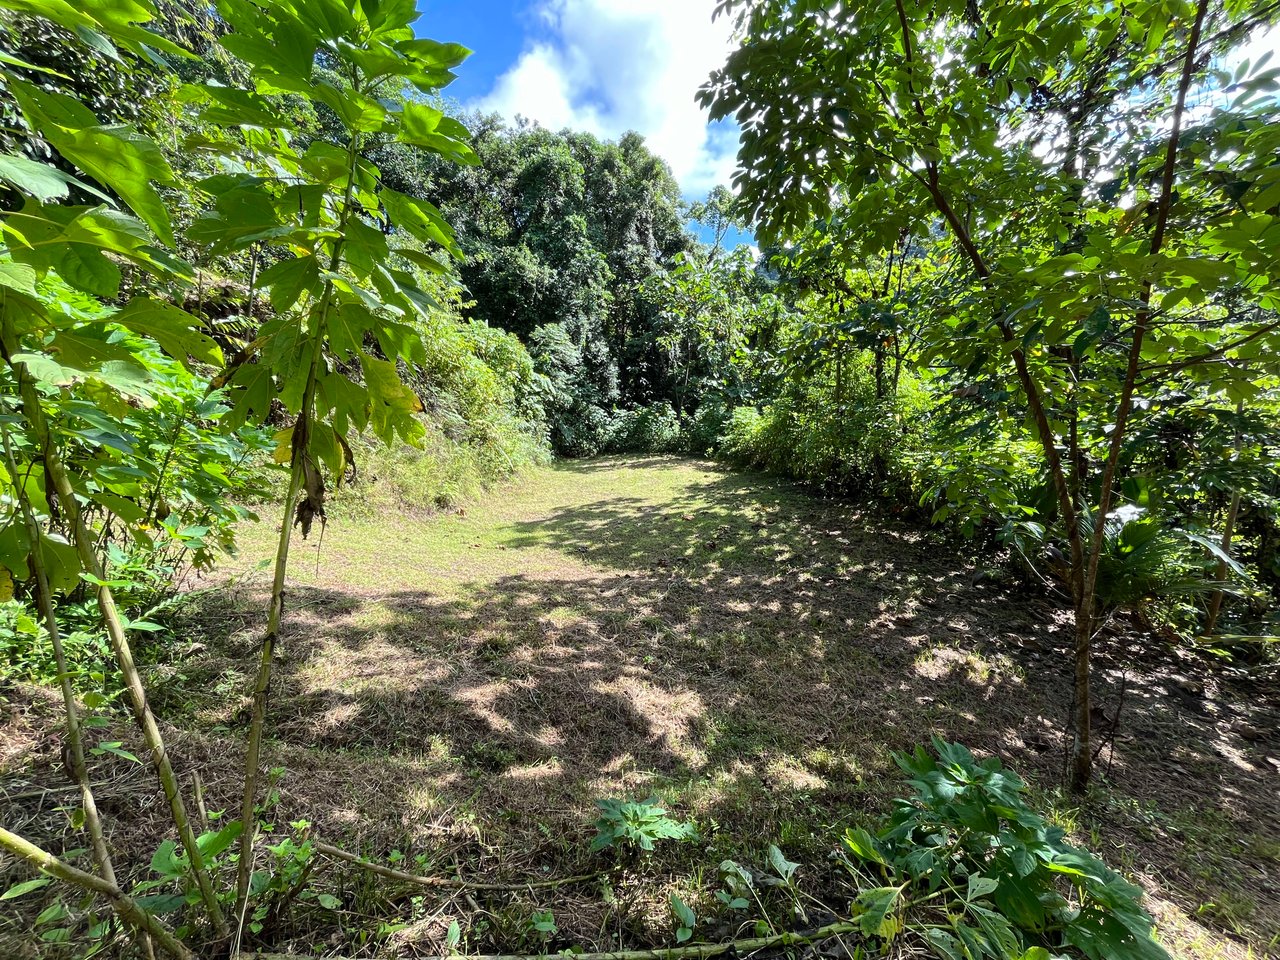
pixel 494 29
pixel 604 66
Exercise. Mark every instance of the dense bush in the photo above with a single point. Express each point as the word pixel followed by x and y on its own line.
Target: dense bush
pixel 448 468
pixel 852 441
pixel 652 429
pixel 483 422
pixel 968 867
pixel 707 430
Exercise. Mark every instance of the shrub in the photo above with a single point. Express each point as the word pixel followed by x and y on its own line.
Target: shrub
pixel 856 443
pixel 703 434
pixel 637 825
pixel 447 469
pixel 651 429
pixel 974 872
pixel 483 423
pixel 584 431
pixel 740 439
pixel 26 655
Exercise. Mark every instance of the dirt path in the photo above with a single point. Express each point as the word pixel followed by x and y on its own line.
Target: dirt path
pixel 464 687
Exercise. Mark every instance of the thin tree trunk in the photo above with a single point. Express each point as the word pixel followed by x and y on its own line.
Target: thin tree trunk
pixel 300 457
pixel 125 906
pixel 56 474
pixel 1081 756
pixel 1083 564
pixel 1228 534
pixel 262 683
pixel 75 744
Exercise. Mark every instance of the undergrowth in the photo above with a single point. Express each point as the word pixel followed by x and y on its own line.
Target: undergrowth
pixel 451 467
pixel 963 869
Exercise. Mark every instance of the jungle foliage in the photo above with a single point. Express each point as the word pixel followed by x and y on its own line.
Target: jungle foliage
pixel 196 274
pixel 1020 275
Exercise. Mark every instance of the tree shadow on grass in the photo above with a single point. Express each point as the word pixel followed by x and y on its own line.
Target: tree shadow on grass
pixel 752 651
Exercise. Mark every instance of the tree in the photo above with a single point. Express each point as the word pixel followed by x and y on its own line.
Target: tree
pixel 562 228
pixel 1107 240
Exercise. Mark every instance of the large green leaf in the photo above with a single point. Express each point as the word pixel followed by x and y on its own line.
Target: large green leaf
pixel 40 180
pixel 119 158
pixel 172 328
pixel 420 218
pixel 289 279
pixel 425 126
pixel 61 562
pixel 876 915
pixel 17 276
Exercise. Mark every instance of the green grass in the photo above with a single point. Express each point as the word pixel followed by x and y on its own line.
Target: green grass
pixel 464 686
pixel 626 625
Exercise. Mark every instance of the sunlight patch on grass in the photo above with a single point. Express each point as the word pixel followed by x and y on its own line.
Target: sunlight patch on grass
pixel 628 626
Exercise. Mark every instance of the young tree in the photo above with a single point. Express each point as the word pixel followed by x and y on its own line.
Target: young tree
pixel 1107 194
pixel 344 286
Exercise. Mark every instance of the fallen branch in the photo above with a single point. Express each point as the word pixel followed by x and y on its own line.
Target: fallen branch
pixel 124 905
pixel 698 951
pixel 337 854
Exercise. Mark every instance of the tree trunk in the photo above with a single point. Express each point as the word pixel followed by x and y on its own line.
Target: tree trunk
pixel 75 744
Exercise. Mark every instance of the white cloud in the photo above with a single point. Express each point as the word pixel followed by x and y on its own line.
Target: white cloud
pixel 609 66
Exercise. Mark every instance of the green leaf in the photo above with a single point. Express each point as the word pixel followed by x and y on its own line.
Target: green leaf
pixel 37 179
pixel 61 562
pixel 213 843
pixel 51 914
pixel 88 269
pixel 288 279
pixel 356 111
pixel 945 945
pixel 419 218
pixel 425 126
pixel 874 911
pixel 234 107
pixel 27 886
pixel 683 912
pixel 117 157
pixel 280 47
pixel 863 845
pixel 980 886
pixel 115 749
pixel 164 861
pixel 162 903
pixel 172 328
pixel 328 901
pixel 782 866
pixel 17 276
pixel 391 402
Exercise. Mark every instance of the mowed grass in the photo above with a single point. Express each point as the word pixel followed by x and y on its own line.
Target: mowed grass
pixel 461 688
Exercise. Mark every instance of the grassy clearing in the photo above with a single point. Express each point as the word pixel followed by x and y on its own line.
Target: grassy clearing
pixel 461 688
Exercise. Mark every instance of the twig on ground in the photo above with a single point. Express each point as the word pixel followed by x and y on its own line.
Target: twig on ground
pixel 331 851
